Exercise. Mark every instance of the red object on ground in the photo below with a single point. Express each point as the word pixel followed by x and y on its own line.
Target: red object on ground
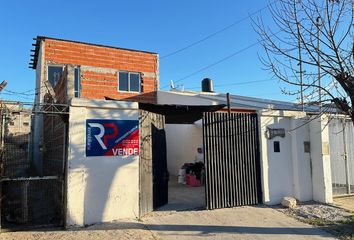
pixel 192 181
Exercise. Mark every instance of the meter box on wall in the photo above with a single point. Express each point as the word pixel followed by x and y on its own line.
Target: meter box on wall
pixel 112 137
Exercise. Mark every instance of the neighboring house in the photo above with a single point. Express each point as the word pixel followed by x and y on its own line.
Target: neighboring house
pixel 16 133
pixel 19 119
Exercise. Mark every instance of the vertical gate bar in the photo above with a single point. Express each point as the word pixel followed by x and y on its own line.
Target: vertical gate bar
pixel 246 169
pixel 256 156
pixel 243 160
pixel 218 172
pixel 240 159
pixel 212 159
pixel 232 162
pixel 249 168
pixel 247 162
pixel 246 158
pixel 258 161
pixel 228 163
pixel 206 159
pixel 205 154
pixel 221 160
pixel 213 170
pixel 253 169
pixel 250 134
pixel 225 159
pixel 217 161
pixel 236 156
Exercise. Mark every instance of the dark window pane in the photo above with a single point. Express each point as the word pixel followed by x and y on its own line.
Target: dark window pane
pixel 134 82
pixel 77 82
pixel 123 81
pixel 54 73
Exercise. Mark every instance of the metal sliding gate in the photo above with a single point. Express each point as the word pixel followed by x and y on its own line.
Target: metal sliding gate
pixel 341 140
pixel 232 159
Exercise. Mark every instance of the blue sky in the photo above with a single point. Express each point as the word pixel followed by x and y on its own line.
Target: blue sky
pixel 157 25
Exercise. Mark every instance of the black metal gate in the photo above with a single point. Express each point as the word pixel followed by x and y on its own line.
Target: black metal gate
pixel 232 159
pixel 159 166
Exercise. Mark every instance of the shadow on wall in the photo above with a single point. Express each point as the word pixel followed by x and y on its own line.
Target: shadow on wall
pixel 150 97
pixel 280 173
pixel 102 183
pixel 289 167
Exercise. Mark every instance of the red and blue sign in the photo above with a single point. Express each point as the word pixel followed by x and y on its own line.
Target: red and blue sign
pixel 112 137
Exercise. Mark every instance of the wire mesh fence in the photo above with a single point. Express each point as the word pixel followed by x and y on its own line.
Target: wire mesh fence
pixel 31 202
pixel 31 190
pixel 15 160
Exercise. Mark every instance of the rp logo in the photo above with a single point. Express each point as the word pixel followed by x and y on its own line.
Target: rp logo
pixel 102 134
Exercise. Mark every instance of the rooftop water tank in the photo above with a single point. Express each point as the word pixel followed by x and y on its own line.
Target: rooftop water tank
pixel 207 85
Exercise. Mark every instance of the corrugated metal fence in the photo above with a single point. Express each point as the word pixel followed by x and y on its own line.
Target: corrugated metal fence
pixel 232 158
pixel 341 137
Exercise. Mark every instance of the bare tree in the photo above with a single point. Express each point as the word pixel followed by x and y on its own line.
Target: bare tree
pixel 310 45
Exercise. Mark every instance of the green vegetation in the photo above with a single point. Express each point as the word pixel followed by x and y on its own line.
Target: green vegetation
pixel 342 229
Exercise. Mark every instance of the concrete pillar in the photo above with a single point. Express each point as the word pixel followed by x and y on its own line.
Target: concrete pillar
pixel 301 161
pixel 320 158
pixel 70 82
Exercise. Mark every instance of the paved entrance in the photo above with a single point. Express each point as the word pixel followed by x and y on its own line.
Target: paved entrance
pixel 182 197
pixel 232 223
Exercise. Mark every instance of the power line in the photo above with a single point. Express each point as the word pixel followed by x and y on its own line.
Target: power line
pixel 215 63
pixel 24 93
pixel 217 32
pixel 239 83
pixel 220 61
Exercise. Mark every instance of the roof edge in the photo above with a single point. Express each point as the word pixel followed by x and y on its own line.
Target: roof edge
pixel 38 39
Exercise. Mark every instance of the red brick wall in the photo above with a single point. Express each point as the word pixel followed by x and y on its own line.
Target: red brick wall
pixel 101 80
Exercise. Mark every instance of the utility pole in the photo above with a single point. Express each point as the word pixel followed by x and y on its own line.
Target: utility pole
pixel 319 23
pixel 300 65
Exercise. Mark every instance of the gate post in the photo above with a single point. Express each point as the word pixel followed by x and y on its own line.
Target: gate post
pixel 346 160
pixel 321 162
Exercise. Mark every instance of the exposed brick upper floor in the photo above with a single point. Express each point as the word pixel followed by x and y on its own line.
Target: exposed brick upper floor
pixel 100 66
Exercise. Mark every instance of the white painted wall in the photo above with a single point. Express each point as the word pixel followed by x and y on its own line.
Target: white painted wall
pixel 99 189
pixel 182 143
pixel 320 158
pixel 288 172
pixel 278 174
pixel 183 99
